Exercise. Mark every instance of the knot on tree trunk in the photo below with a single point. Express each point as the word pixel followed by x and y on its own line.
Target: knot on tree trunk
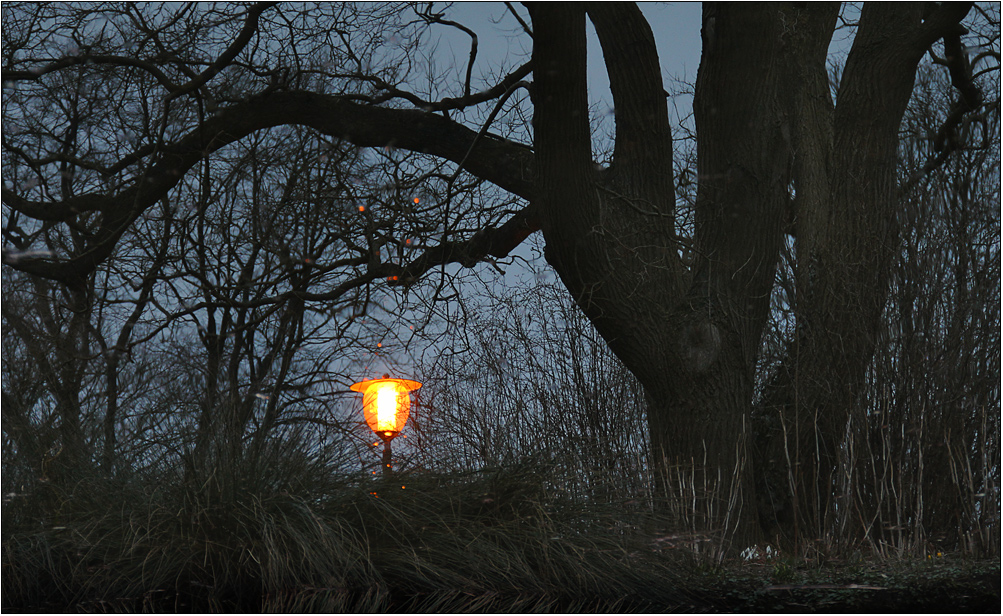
pixel 699 344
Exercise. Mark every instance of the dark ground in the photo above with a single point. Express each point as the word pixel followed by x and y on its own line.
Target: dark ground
pixel 936 586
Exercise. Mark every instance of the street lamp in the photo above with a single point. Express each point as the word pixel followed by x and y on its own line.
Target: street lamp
pixel 386 403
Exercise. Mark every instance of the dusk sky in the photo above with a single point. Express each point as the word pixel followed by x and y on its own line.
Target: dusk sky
pixel 676 26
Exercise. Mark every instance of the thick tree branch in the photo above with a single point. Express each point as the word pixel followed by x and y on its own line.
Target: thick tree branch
pixel 504 163
pixel 942 21
pixel 228 56
pixel 946 140
pixel 960 69
pixel 561 125
pixel 60 64
pixel 446 104
pixel 491 93
pixel 636 84
pixel 493 242
pixel 52 211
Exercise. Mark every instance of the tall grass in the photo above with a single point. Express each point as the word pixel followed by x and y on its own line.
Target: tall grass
pixel 493 540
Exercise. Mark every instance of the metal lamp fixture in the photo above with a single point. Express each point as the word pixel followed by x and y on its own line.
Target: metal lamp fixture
pixel 386 403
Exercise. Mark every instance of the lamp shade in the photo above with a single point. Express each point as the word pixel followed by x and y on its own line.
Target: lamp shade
pixel 386 403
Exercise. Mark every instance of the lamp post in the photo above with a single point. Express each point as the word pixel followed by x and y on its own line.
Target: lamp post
pixel 386 403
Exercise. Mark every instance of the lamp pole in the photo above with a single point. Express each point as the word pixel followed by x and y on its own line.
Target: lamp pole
pixel 387 457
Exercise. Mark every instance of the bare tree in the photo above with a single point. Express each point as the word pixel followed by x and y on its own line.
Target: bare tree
pixel 777 153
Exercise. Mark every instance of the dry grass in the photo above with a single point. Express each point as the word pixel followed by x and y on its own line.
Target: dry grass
pixel 488 541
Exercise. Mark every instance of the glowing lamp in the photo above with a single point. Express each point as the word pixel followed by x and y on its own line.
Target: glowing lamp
pixel 386 403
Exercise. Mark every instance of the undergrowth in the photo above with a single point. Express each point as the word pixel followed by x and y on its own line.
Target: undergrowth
pixel 489 541
pixel 486 541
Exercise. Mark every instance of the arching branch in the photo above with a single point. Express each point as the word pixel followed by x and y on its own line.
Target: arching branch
pixel 504 163
pixel 495 242
pixel 231 52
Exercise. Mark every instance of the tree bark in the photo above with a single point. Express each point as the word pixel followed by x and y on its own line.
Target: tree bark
pixel 846 238
pixel 690 339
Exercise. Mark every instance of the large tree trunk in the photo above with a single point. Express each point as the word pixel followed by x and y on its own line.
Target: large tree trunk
pixel 691 338
pixel 846 238
pixel 692 335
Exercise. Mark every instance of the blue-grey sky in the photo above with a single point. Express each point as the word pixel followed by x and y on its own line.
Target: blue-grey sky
pixel 676 26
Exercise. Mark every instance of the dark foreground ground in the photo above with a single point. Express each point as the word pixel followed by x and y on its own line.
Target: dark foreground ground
pixel 939 585
pixel 936 586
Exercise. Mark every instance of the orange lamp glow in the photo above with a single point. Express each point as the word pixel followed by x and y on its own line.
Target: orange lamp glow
pixel 386 403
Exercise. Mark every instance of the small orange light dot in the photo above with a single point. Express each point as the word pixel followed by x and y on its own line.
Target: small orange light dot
pixel 416 199
pixel 402 487
pixel 379 345
pixel 362 208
